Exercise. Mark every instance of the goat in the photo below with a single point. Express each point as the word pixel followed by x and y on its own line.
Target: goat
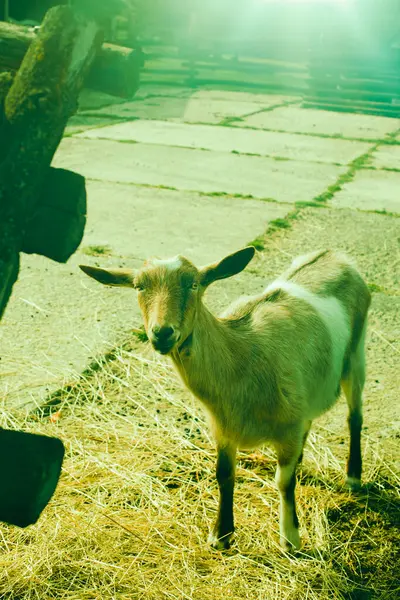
pixel 268 366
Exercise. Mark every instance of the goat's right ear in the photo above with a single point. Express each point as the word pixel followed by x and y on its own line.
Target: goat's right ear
pixel 116 277
pixel 227 267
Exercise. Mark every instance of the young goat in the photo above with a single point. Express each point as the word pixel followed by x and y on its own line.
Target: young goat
pixel 265 368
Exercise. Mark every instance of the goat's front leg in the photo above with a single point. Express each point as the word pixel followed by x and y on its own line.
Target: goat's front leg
pixel 289 453
pixel 224 527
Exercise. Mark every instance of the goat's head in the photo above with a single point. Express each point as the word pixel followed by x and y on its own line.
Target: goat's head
pixel 170 291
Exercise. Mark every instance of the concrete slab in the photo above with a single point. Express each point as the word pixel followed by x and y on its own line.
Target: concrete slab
pixel 54 322
pixel 229 139
pixel 148 108
pixel 136 221
pixel 197 170
pixel 387 157
pixel 80 122
pixel 150 89
pixel 253 97
pixel 57 317
pixel 90 99
pixel 206 110
pixel 323 122
pixel 371 190
pixel 189 110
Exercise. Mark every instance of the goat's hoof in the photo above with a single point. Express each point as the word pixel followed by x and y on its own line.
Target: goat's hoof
pixel 220 543
pixel 291 541
pixel 353 484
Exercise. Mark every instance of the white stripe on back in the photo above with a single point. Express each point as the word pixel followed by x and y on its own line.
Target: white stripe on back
pixel 331 312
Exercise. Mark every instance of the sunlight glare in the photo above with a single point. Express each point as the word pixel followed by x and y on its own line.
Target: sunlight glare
pixel 310 1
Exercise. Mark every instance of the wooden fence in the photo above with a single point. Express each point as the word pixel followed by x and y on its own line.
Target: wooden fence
pixel 336 55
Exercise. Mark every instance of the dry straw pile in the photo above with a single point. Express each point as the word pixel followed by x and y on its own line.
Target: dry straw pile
pixel 138 494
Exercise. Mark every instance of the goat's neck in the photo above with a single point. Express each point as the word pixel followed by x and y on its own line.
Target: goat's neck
pixel 208 356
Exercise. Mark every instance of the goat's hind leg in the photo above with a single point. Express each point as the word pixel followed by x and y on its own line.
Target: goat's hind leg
pixel 305 436
pixel 353 385
pixel 289 452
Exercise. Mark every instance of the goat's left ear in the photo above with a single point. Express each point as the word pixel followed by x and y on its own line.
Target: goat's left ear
pixel 227 267
pixel 116 277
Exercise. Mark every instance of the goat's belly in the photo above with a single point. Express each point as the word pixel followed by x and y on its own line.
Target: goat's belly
pixel 324 397
pixel 248 431
pixel 250 440
pixel 268 435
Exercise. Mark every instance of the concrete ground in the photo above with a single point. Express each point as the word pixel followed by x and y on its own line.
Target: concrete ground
pixel 200 173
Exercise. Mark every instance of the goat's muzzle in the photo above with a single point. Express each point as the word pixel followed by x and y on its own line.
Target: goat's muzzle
pixel 163 339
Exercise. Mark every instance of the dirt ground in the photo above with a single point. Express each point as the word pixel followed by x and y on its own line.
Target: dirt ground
pixel 131 515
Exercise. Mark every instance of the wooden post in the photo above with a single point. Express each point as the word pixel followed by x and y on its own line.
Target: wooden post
pixel 37 107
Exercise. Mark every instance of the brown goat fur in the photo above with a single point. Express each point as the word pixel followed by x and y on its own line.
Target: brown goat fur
pixel 265 368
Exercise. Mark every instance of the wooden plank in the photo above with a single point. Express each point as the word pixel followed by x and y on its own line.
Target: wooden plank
pixel 351 107
pixel 356 72
pixel 353 95
pixel 349 83
pixel 364 63
pixel 278 88
pixel 241 66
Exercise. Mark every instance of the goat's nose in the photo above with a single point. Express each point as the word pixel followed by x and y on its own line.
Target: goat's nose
pixel 162 333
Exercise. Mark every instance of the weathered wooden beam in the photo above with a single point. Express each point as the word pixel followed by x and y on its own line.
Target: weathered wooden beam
pixel 116 70
pixel 14 42
pixel 36 9
pixel 38 105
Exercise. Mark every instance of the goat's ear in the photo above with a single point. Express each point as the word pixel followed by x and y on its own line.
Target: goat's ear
pixel 118 277
pixel 227 267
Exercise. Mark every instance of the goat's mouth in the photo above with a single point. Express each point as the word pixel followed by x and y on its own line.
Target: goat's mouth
pixel 165 346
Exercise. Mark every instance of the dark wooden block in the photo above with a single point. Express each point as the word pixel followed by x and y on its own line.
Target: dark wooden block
pixel 30 467
pixel 57 224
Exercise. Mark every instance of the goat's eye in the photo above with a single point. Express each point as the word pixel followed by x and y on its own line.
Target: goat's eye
pixel 140 287
pixel 194 285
